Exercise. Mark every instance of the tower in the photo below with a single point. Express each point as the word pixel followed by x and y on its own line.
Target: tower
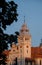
pixel 24 44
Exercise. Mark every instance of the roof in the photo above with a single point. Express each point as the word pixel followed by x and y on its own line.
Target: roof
pixel 6 52
pixel 24 28
pixel 36 52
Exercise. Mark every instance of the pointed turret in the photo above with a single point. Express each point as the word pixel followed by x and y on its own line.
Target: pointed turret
pixel 24 29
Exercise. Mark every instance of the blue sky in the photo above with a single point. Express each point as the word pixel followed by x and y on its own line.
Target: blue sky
pixel 32 10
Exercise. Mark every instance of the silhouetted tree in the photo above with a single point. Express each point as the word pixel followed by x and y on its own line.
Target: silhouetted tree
pixel 8 14
pixel 3 61
pixel 13 38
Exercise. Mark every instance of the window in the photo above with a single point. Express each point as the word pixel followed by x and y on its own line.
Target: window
pixel 20 46
pixel 13 50
pixel 27 46
pixel 17 48
pixel 27 51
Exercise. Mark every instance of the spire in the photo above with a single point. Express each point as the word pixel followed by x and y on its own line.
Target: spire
pixel 24 19
pixel 24 27
pixel 41 40
pixel 41 43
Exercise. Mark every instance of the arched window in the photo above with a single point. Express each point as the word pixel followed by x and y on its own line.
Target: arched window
pixel 27 46
pixel 27 51
pixel 17 47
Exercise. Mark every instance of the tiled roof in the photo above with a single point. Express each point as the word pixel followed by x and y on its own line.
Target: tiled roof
pixel 36 52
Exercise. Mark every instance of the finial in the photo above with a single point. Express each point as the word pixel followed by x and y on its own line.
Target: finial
pixel 41 40
pixel 24 19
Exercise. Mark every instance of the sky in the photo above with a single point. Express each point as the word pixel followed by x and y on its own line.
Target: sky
pixel 32 10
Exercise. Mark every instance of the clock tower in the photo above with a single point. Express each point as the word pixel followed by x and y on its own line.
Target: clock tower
pixel 24 43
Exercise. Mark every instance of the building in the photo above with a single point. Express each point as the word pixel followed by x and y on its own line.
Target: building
pixel 23 53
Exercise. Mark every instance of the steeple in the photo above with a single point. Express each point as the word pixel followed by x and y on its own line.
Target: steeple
pixel 24 28
pixel 24 19
pixel 24 41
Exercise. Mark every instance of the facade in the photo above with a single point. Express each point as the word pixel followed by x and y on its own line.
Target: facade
pixel 23 53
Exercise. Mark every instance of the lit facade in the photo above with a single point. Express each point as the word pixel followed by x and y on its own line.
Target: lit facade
pixel 23 52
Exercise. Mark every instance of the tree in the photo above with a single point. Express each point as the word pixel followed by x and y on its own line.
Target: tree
pixel 13 38
pixel 8 14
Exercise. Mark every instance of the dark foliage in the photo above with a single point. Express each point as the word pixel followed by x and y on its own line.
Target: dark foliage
pixel 3 42
pixel 8 14
pixel 17 33
pixel 13 38
pixel 3 59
